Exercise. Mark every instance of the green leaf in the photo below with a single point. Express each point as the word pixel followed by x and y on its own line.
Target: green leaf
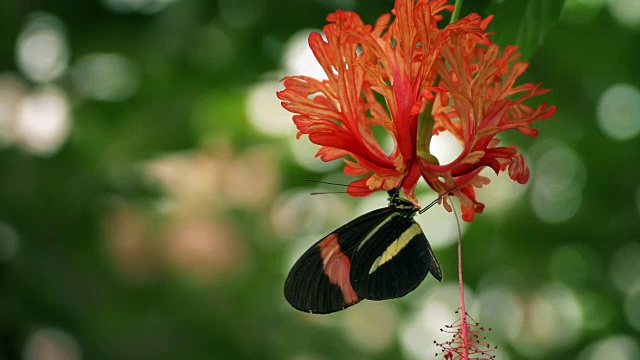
pixel 523 22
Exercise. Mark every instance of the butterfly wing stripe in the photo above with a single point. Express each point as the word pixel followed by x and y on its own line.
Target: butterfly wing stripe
pixel 375 229
pixel 337 267
pixel 308 288
pixel 402 272
pixel 313 284
pixel 395 247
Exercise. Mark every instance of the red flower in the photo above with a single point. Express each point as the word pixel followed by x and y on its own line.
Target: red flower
pixel 412 80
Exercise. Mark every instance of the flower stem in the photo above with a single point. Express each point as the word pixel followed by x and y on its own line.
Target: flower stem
pixel 464 327
pixel 456 11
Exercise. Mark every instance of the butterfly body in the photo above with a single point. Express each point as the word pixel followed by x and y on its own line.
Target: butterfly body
pixel 380 255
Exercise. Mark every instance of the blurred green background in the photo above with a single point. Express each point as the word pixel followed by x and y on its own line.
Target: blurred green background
pixel 152 195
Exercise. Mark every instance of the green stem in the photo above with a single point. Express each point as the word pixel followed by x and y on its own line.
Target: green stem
pixel 456 11
pixel 426 120
pixel 464 326
pixel 425 132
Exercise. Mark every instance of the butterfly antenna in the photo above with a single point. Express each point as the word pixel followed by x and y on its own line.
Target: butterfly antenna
pixel 435 201
pixel 336 192
pixel 332 183
pixel 365 189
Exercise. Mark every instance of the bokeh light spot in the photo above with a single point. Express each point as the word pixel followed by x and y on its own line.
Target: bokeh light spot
pixel 619 111
pixel 51 344
pixel 434 310
pixel 12 90
pixel 569 265
pixel 141 6
pixel 627 12
pixel 632 308
pixel 203 249
pixel 199 192
pixel 306 356
pixel 107 77
pixel 127 229
pixel 505 276
pixel 371 326
pixel 304 154
pixel 41 48
pixel 338 4
pixel 597 309
pixel 501 194
pixel 556 316
pixel 560 175
pixel 426 324
pixel 214 49
pixel 297 247
pixel 638 200
pixel 625 267
pixel 440 226
pixel 492 305
pixel 265 112
pixel 43 124
pixel 619 347
pixel 241 13
pixel 299 59
pixel 446 147
pixel 581 11
pixel 553 321
pixel 9 242
pixel 296 213
pixel 251 179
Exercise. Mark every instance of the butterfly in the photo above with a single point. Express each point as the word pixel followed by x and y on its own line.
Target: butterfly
pixel 380 255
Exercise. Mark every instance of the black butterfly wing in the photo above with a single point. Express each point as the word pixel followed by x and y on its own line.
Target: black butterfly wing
pixel 393 261
pixel 320 282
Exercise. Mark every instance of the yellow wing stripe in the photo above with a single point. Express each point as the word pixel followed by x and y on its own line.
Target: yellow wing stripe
pixel 375 229
pixel 394 248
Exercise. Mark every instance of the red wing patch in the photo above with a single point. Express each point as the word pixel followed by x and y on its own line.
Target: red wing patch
pixel 337 267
